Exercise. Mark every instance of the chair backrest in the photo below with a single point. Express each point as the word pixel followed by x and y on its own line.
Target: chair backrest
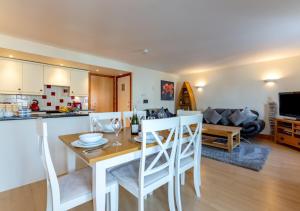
pixel 53 192
pixel 189 141
pixel 187 113
pixel 128 114
pixel 163 159
pixel 96 118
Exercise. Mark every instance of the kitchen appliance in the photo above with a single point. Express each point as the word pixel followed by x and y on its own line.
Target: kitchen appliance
pixel 77 105
pixel 35 105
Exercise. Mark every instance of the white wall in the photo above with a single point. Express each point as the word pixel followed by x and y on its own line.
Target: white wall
pixel 145 82
pixel 240 86
pixel 146 85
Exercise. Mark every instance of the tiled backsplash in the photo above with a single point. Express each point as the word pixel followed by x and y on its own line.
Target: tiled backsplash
pixel 53 97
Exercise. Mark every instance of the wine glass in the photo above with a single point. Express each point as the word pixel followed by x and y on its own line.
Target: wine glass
pixel 117 126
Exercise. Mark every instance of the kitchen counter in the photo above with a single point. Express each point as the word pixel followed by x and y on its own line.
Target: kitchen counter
pixel 44 115
pixel 20 162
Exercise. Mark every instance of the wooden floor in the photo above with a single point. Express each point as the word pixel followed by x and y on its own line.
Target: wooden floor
pixel 224 187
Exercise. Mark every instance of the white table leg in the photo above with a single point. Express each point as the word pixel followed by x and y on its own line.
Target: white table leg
pixel 99 187
pixel 71 161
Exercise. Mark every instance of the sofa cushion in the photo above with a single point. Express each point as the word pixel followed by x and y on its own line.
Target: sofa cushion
pixel 250 115
pixel 211 116
pixel 225 114
pixel 237 117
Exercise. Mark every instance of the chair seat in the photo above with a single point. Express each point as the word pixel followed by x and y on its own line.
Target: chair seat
pixel 79 184
pixel 186 161
pixel 128 176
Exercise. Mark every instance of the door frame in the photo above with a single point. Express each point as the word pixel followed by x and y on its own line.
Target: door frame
pixel 116 88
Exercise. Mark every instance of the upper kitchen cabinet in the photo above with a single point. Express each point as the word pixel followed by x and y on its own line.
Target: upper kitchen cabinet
pixel 10 76
pixel 79 83
pixel 33 78
pixel 57 76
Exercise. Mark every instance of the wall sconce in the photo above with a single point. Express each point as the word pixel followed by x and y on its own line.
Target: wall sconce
pixel 270 82
pixel 200 87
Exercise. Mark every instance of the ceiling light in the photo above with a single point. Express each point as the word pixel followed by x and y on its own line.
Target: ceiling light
pixel 97 70
pixel 146 50
pixel 61 64
pixel 11 56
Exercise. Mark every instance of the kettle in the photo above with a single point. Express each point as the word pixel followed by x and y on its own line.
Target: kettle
pixel 35 105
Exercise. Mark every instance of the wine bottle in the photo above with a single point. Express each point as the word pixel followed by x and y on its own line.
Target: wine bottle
pixel 134 123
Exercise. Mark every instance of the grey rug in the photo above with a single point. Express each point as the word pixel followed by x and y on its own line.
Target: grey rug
pixel 250 156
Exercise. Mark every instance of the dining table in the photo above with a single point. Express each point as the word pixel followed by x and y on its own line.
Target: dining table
pixel 104 158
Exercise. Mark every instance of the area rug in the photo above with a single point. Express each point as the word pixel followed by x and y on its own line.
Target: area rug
pixel 250 156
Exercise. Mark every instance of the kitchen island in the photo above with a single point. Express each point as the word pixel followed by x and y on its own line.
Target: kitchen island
pixel 20 161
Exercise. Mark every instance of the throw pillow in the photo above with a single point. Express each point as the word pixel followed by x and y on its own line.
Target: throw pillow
pixel 225 114
pixel 250 116
pixel 213 117
pixel 237 117
pixel 206 114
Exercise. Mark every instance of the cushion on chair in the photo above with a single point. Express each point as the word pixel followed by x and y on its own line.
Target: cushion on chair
pixel 237 117
pixel 186 161
pixel 250 115
pixel 79 183
pixel 225 114
pixel 211 116
pixel 128 176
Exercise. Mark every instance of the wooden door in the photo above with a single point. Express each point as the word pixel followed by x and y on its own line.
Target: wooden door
pixel 101 93
pixel 124 93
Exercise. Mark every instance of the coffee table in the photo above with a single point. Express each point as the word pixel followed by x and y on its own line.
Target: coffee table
pixel 220 136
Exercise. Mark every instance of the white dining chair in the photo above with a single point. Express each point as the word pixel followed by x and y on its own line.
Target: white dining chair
pixel 71 190
pixel 181 112
pixel 143 176
pixel 128 114
pixel 97 119
pixel 188 154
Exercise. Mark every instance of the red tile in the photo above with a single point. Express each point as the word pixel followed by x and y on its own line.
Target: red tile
pixel 57 108
pixel 48 86
pixel 52 93
pixel 44 97
pixel 61 100
pixel 48 103
pixel 72 97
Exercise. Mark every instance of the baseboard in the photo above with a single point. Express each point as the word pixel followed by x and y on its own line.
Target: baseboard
pixel 266 137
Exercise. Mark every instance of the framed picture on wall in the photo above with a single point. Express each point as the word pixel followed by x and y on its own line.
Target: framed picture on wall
pixel 167 90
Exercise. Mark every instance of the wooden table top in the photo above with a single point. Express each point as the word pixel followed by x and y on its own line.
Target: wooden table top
pixel 125 137
pixel 210 128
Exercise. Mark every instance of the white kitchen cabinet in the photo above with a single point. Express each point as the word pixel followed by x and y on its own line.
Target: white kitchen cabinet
pixel 79 83
pixel 10 76
pixel 57 76
pixel 33 78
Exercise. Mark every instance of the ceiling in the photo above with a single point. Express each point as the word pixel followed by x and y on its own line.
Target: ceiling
pixel 182 36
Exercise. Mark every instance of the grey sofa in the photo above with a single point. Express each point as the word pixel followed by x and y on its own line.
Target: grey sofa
pixel 249 129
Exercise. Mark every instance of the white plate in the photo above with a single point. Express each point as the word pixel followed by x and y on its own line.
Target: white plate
pixel 80 144
pixel 149 141
pixel 90 137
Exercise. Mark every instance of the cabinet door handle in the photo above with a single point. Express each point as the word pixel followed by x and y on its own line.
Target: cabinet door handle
pixel 41 90
pixel 19 89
